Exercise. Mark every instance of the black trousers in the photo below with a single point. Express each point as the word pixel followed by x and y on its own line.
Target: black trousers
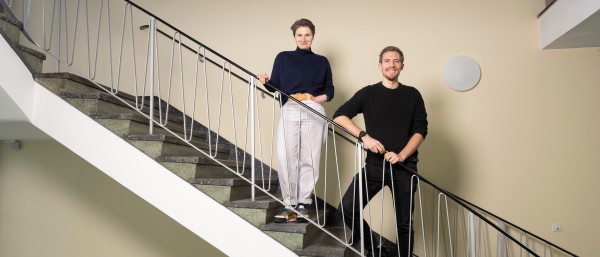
pixel 399 182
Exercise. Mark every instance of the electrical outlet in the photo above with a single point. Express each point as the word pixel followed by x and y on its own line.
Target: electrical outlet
pixel 557 227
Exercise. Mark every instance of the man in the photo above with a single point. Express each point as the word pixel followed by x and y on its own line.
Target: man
pixel 396 125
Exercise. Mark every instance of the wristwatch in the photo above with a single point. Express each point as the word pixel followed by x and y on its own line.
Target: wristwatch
pixel 361 135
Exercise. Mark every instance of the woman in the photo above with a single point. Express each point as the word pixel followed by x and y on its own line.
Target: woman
pixel 306 77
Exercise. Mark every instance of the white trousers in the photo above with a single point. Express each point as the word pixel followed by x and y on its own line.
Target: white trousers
pixel 300 136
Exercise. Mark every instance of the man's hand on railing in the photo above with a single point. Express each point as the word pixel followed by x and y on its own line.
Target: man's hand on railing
pixel 373 144
pixel 393 158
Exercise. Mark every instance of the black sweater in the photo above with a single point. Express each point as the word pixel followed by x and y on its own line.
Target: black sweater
pixel 391 116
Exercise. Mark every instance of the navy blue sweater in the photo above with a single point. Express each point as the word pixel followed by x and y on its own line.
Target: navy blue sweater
pixel 301 71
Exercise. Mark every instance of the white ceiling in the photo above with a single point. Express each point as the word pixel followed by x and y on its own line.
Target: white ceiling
pixel 570 24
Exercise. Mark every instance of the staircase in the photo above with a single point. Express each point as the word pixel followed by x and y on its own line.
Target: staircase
pixel 62 101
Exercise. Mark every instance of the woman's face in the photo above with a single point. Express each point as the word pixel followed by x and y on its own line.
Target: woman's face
pixel 303 37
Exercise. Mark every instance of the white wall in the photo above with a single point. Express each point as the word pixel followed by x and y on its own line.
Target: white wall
pixel 53 203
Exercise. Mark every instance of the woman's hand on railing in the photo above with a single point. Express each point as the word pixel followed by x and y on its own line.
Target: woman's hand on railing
pixel 263 78
pixel 320 99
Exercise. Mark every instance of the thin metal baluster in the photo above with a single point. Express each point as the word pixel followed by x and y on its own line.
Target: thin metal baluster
pixel 225 64
pixel 58 33
pixel 74 34
pixel 92 77
pixel 272 142
pixel 262 166
pixel 439 210
pixel 198 60
pixel 110 56
pixel 135 77
pixel 449 228
pixel 152 51
pixel 54 4
pixel 422 216
pixel 209 131
pixel 146 68
pixel 127 5
pixel 360 202
pixel 246 131
pixel 170 86
pixel 252 144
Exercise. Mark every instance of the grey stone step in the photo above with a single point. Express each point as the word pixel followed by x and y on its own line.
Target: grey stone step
pixel 257 212
pixel 164 145
pixel 11 31
pixel 197 165
pixel 324 245
pixel 136 123
pixel 295 235
pixel 229 189
pixel 11 28
pixel 191 167
pixel 33 59
pixel 95 102
pixel 60 82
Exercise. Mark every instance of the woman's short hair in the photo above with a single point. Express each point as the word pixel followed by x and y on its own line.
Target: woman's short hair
pixel 303 23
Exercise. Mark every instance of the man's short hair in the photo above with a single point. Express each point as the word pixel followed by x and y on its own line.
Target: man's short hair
pixel 303 23
pixel 391 49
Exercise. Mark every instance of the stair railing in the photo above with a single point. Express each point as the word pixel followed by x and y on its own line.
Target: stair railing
pixel 461 226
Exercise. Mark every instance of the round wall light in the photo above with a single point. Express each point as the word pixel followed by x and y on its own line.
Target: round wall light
pixel 462 73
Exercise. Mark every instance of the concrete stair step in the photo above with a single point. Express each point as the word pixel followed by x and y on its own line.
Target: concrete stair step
pixel 203 167
pixel 33 59
pixel 60 82
pixel 164 145
pixel 323 245
pixel 230 189
pixel 191 167
pixel 136 123
pixel 258 212
pixel 11 28
pixel 95 102
pixel 296 235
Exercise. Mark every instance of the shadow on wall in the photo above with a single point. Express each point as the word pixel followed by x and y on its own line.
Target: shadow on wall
pixel 440 157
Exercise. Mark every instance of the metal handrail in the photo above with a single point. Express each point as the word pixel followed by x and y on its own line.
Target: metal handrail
pixel 415 173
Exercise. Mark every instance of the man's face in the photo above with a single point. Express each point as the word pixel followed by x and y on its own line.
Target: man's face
pixel 391 65
pixel 303 37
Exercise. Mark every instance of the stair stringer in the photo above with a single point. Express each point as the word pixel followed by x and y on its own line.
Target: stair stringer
pixel 130 167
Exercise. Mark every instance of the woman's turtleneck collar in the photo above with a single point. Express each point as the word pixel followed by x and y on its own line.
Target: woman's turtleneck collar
pixel 302 51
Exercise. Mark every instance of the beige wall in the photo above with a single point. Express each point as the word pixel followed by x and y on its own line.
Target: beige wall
pixel 53 203
pixel 522 144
